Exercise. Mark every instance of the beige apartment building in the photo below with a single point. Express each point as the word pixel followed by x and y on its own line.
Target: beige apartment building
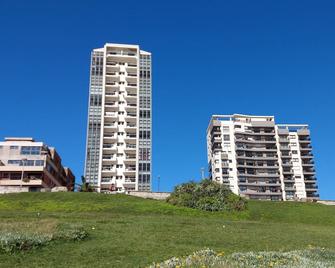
pixel 260 159
pixel 30 166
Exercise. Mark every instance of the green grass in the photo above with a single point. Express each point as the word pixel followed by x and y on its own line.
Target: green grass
pixel 127 231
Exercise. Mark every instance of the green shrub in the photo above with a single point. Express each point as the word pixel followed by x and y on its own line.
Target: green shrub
pixel 10 242
pixel 70 232
pixel 318 257
pixel 206 195
pixel 20 241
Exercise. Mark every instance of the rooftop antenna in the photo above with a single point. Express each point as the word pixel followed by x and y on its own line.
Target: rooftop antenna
pixel 202 170
pixel 158 181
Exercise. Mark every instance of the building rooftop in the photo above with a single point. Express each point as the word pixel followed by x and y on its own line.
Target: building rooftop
pixel 19 139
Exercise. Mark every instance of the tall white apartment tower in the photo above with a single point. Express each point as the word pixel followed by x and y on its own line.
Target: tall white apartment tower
pixel 261 160
pixel 119 132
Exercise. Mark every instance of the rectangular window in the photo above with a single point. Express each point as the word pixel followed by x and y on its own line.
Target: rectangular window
pixel 39 162
pixel 30 150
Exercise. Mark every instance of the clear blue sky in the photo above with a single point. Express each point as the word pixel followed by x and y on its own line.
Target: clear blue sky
pixel 209 57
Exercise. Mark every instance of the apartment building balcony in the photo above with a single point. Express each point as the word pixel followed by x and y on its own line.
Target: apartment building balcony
pixel 313 190
pixel 111 114
pixel 111 91
pixel 225 171
pixel 309 179
pixel 131 135
pixel 30 182
pixel 106 172
pixel 284 148
pixel 109 159
pixel 225 165
pixel 287 164
pixel 130 171
pixel 110 98
pixel 216 148
pixel 130 140
pixel 286 156
pixel 121 53
pixel 109 137
pixel 131 128
pixel 284 140
pixel 111 149
pixel 224 156
pixel 112 78
pixel 309 172
pixel 257 166
pixel 131 119
pixel 112 68
pixel 108 180
pixel 311 164
pixel 306 156
pixel 110 127
pixel 215 131
pixel 252 133
pixel 122 59
pixel 259 183
pixel 108 146
pixel 267 192
pixel 111 63
pixel 111 83
pixel 131 114
pixel 131 97
pixel 287 180
pixel 290 188
pixel 131 90
pixel 216 138
pixel 255 141
pixel 130 158
pixel 306 148
pixel 311 186
pixel 110 104
pixel 271 157
pixel 255 149
pixel 304 142
pixel 111 74
pixel 132 85
pixel 258 175
pixel 131 79
pixel 288 172
pixel 129 149
pixel 131 68
pixel 132 73
pixel 131 108
pixel 129 183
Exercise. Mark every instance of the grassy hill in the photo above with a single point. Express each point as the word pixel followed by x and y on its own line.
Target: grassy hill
pixel 126 231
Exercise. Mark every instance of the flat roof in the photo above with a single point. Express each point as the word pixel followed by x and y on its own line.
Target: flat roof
pixel 19 139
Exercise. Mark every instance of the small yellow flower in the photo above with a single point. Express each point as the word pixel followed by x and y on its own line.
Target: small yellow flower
pixel 221 253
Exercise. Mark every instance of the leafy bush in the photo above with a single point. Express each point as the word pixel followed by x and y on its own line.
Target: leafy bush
pixel 10 242
pixel 206 195
pixel 70 232
pixel 19 241
pixel 312 257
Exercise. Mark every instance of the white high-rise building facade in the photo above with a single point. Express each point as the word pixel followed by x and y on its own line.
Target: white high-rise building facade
pixel 119 131
pixel 259 159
